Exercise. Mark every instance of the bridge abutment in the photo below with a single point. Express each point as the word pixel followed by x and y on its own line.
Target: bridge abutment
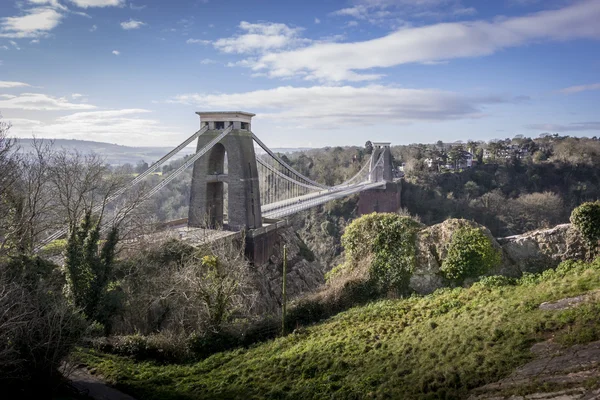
pixel 386 199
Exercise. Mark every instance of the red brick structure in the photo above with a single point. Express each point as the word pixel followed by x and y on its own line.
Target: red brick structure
pixel 386 199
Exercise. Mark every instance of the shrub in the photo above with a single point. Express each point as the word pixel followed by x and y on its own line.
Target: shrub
pixel 470 254
pixel 38 328
pixel 586 218
pixel 389 240
pixel 205 344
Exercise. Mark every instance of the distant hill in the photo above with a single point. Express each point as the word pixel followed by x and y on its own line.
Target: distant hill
pixel 116 154
pixel 113 153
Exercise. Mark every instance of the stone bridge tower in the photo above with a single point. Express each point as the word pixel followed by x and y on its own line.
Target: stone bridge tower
pixel 387 198
pixel 230 162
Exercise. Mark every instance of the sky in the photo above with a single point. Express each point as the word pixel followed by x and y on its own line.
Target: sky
pixel 315 72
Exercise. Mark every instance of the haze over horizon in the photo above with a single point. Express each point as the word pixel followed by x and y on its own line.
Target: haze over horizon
pixel 316 73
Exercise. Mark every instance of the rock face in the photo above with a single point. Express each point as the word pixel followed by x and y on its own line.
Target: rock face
pixel 304 273
pixel 530 252
pixel 542 249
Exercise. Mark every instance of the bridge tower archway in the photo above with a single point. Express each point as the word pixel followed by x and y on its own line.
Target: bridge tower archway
pixel 230 165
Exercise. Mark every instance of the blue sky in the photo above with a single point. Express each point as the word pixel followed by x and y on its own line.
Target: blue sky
pixel 316 73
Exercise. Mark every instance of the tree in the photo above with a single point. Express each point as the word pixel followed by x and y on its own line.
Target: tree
pixel 368 147
pixel 89 269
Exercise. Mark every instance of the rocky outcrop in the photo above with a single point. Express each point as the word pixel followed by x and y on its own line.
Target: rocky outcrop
pixel 545 248
pixel 304 273
pixel 533 251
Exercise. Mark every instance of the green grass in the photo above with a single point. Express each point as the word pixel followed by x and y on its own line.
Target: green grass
pixel 438 346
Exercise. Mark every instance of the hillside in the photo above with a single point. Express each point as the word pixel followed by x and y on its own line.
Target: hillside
pixel 438 346
pixel 116 154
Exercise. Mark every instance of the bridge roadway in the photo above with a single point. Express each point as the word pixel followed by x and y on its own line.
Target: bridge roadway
pixel 290 206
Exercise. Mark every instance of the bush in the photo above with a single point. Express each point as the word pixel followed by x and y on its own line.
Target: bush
pixel 470 254
pixel 389 241
pixel 586 218
pixel 162 348
pixel 38 327
pixel 205 344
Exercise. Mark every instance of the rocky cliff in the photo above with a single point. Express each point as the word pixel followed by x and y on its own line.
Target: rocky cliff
pixel 304 272
pixel 530 252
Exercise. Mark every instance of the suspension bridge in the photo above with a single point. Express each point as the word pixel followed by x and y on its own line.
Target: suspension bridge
pixel 235 189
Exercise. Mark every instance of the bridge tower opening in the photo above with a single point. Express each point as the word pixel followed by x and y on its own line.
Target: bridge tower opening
pixel 224 190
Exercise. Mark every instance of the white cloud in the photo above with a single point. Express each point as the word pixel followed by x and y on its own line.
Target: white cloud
pixel 437 42
pixel 571 127
pixel 4 47
pixel 126 126
pixel 76 96
pixel 134 7
pixel 132 24
pixel 98 3
pixel 580 88
pixel 39 101
pixel 206 61
pixel 9 84
pixel 36 22
pixel 396 11
pixel 346 106
pixel 34 41
pixel 261 37
pixel 116 52
pixel 14 44
pixel 93 28
pixel 197 41
pixel 317 21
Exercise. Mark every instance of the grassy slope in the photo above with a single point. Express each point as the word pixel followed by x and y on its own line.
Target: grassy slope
pixel 429 347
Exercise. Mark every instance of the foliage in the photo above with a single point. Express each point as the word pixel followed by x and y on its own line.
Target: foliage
pixel 470 254
pixel 390 240
pixel 38 327
pixel 420 347
pixel 586 218
pixel 89 270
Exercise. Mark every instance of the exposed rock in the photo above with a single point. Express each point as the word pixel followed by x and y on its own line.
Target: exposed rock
pixel 566 368
pixel 533 251
pixel 432 248
pixel 545 248
pixel 304 273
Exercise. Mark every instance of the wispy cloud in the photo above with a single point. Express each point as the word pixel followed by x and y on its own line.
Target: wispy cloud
pixel 9 84
pixel 116 52
pixel 359 61
pixel 345 106
pixel 39 101
pixel 98 3
pixel 35 22
pixel 134 7
pixel 125 126
pixel 580 88
pixel 207 61
pixel 93 28
pixel 261 37
pixel 132 24
pixel 197 41
pixel 571 127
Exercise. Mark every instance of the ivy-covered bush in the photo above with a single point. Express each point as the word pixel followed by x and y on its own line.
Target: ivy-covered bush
pixel 470 254
pixel 388 241
pixel 586 219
